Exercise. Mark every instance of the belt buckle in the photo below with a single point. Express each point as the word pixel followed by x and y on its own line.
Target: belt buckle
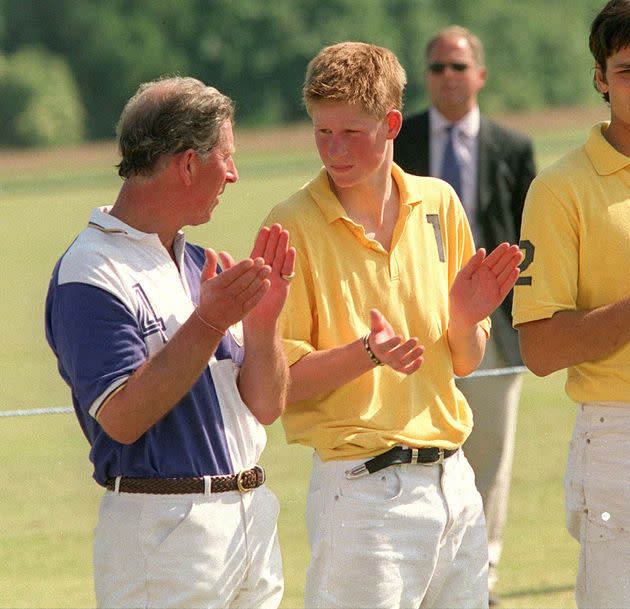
pixel 438 461
pixel 261 475
pixel 239 482
pixel 357 472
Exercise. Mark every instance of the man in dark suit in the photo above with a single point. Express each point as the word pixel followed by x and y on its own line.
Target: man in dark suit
pixel 491 168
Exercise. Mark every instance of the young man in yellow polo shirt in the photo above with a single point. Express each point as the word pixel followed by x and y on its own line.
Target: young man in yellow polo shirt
pixel 389 302
pixel 572 310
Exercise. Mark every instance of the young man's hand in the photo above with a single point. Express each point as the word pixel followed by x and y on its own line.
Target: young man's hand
pixel 389 348
pixel 483 283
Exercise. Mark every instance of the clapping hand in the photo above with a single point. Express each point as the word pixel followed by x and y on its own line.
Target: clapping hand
pixel 255 288
pixel 483 283
pixel 225 298
pixel 389 348
pixel 272 245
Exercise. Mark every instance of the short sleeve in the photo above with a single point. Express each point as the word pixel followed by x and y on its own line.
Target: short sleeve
pixel 550 241
pixel 97 341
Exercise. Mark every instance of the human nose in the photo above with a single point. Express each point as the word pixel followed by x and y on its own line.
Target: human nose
pixel 336 146
pixel 232 173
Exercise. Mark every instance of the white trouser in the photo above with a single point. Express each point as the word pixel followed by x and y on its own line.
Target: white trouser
pixel 188 551
pixel 409 536
pixel 490 447
pixel 597 495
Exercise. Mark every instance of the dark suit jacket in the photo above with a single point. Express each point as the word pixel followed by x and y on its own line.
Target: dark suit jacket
pixel 506 169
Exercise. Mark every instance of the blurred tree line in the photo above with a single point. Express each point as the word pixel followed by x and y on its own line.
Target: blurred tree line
pixel 67 67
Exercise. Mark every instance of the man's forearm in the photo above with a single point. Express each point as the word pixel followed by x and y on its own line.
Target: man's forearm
pixel 324 371
pixel 264 375
pixel 573 337
pixel 154 388
pixel 467 345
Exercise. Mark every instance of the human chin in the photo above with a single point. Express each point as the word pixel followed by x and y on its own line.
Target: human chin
pixel 206 214
pixel 213 205
pixel 344 180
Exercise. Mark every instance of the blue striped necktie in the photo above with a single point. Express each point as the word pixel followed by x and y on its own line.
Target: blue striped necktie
pixel 450 165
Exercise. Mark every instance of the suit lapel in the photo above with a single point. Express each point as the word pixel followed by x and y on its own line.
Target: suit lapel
pixel 423 141
pixel 486 160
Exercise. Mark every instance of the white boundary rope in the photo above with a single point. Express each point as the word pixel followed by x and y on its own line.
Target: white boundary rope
pixel 496 372
pixel 26 412
pixel 29 412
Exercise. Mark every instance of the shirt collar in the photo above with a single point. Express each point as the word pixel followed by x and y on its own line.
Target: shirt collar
pixel 331 207
pixel 605 159
pixel 325 198
pixel 468 125
pixel 102 220
pixel 408 189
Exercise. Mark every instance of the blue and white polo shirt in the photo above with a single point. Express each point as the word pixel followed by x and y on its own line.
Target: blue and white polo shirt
pixel 115 298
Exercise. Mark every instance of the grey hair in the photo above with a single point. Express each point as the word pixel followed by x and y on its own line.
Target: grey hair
pixel 168 116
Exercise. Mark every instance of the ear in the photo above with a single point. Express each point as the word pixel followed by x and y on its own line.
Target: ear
pixel 394 123
pixel 186 165
pixel 600 79
pixel 483 75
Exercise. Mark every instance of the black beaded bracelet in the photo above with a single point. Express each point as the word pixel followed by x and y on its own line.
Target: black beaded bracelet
pixel 366 344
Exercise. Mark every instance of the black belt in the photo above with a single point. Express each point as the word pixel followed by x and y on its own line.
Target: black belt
pixel 245 481
pixel 398 455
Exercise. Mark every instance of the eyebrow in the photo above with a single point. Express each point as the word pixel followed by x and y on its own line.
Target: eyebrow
pixel 354 124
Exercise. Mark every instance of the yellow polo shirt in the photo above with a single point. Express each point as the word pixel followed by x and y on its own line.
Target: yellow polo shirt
pixel 341 275
pixel 576 225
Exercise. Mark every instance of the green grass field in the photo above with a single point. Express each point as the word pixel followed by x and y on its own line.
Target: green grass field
pixel 48 502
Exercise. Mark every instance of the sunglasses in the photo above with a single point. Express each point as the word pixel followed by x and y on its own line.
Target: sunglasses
pixel 437 67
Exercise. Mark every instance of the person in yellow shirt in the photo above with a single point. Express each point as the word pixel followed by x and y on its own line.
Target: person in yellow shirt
pixel 572 310
pixel 388 303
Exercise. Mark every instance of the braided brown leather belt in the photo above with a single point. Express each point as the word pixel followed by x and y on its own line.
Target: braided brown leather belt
pixel 244 481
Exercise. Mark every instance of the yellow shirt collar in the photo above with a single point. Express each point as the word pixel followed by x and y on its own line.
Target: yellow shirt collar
pixel 331 208
pixel 605 159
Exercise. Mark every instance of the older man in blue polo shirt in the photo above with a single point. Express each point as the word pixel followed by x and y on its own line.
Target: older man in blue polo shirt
pixel 174 363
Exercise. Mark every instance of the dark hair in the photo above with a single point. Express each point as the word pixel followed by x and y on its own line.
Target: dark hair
pixel 168 116
pixel 610 32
